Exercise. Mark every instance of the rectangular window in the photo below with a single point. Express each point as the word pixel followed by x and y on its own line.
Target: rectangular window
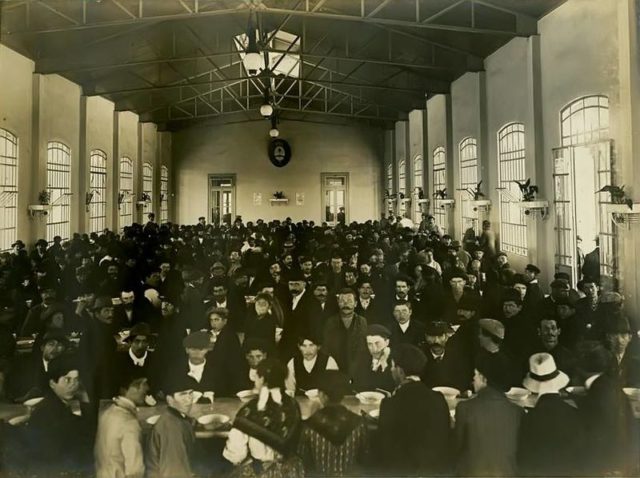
pixel 147 186
pixel 468 182
pixel 511 167
pixel 390 178
pixel 125 196
pixel 8 189
pixel 402 186
pixel 418 182
pixel 164 194
pixel 59 188
pixel 98 191
pixel 440 184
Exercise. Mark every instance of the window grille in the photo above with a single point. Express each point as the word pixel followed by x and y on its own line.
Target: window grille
pixel 402 185
pixel 59 188
pixel 147 185
pixel 585 121
pixel 8 189
pixel 418 182
pixel 511 167
pixel 98 191
pixel 468 181
pixel 125 198
pixel 440 183
pixel 164 194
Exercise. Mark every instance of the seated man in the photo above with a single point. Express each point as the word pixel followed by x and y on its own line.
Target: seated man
pixel 226 350
pixel 307 366
pixel 444 366
pixel 404 328
pixel 118 449
pixel 138 360
pixel 549 333
pixel 172 440
pixel 414 431
pixel 261 323
pixel 59 440
pixel 550 442
pixel 373 370
pixel 618 338
pixel 333 441
pixel 487 426
pixel 255 351
pixel 28 376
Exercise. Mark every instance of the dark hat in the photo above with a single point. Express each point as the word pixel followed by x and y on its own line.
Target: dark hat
pixel 617 324
pixel 511 295
pixel 560 284
pixel 102 302
pixel 296 275
pixel 197 340
pixel 469 302
pixel 493 327
pixel 519 279
pixel 18 243
pixel 334 383
pixel 533 268
pixel 437 328
pixel 457 274
pixel 310 335
pixel 496 369
pixel 178 383
pixel 55 334
pixel 61 366
pixel 502 253
pixel 141 328
pixel 456 244
pixel 562 276
pixel 42 241
pixel 377 329
pixel 253 343
pixel 409 358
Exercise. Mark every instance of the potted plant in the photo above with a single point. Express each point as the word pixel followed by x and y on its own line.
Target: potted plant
pixel 44 197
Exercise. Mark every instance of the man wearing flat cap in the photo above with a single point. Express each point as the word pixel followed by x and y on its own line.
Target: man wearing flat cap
pixel 196 367
pixel 374 370
pixel 531 272
pixel 414 432
pixel 551 434
pixel 172 440
pixel 487 426
pixel 490 340
pixel 444 366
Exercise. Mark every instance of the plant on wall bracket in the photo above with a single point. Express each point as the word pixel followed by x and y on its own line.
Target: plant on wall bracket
pixel 440 193
pixel 618 196
pixel 44 197
pixel 528 190
pixel 279 195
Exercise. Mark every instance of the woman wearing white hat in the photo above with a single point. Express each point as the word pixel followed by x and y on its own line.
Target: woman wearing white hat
pixel 550 439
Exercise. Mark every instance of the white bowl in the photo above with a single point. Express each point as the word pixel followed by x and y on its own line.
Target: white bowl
pixel 448 392
pixel 370 398
pixel 517 393
pixel 313 393
pixel 576 390
pixel 153 419
pixel 632 393
pixel 213 420
pixel 375 413
pixel 246 395
pixel 32 402
pixel 19 420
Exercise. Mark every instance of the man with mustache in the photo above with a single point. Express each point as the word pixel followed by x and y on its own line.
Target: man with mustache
pixel 445 366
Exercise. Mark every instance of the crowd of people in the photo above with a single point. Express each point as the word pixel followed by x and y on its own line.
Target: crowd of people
pixel 180 313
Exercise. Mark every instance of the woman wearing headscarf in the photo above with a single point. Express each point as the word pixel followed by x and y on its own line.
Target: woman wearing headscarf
pixel 263 440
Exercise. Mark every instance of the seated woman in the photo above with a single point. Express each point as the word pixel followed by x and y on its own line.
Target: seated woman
pixel 264 436
pixel 306 367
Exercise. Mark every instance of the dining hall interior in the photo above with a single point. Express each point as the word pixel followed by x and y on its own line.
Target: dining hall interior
pixel 319 237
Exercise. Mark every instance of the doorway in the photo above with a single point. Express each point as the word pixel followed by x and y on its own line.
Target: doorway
pixel 222 199
pixel 335 191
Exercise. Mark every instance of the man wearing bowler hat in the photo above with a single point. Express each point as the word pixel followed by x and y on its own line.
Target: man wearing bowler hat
pixel 618 338
pixel 551 435
pixel 444 366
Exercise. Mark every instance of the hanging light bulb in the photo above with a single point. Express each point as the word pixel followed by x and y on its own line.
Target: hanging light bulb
pixel 273 132
pixel 252 60
pixel 266 109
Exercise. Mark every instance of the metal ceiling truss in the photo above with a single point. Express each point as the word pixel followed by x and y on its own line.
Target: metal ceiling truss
pixel 188 9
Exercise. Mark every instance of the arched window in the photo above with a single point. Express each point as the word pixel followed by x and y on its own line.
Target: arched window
pixel 8 189
pixel 468 181
pixel 390 178
pixel 98 191
pixel 418 182
pixel 439 184
pixel 125 196
pixel 585 121
pixel 164 194
pixel 511 167
pixel 402 185
pixel 147 186
pixel 59 188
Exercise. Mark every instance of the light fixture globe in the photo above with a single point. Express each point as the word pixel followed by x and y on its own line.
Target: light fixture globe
pixel 252 63
pixel 274 133
pixel 266 110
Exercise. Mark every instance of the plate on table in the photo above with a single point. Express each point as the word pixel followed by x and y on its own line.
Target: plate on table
pixel 448 392
pixel 313 393
pixel 370 398
pixel 212 420
pixel 576 390
pixel 246 395
pixel 518 393
pixel 153 419
pixel 632 393
pixel 375 413
pixel 32 402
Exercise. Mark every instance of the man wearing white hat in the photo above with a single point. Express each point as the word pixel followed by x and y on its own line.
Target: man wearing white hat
pixel 550 440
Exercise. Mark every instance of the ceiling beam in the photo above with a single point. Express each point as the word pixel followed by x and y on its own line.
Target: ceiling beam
pixel 525 30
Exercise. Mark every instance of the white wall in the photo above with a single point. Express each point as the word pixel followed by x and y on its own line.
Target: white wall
pixel 241 149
